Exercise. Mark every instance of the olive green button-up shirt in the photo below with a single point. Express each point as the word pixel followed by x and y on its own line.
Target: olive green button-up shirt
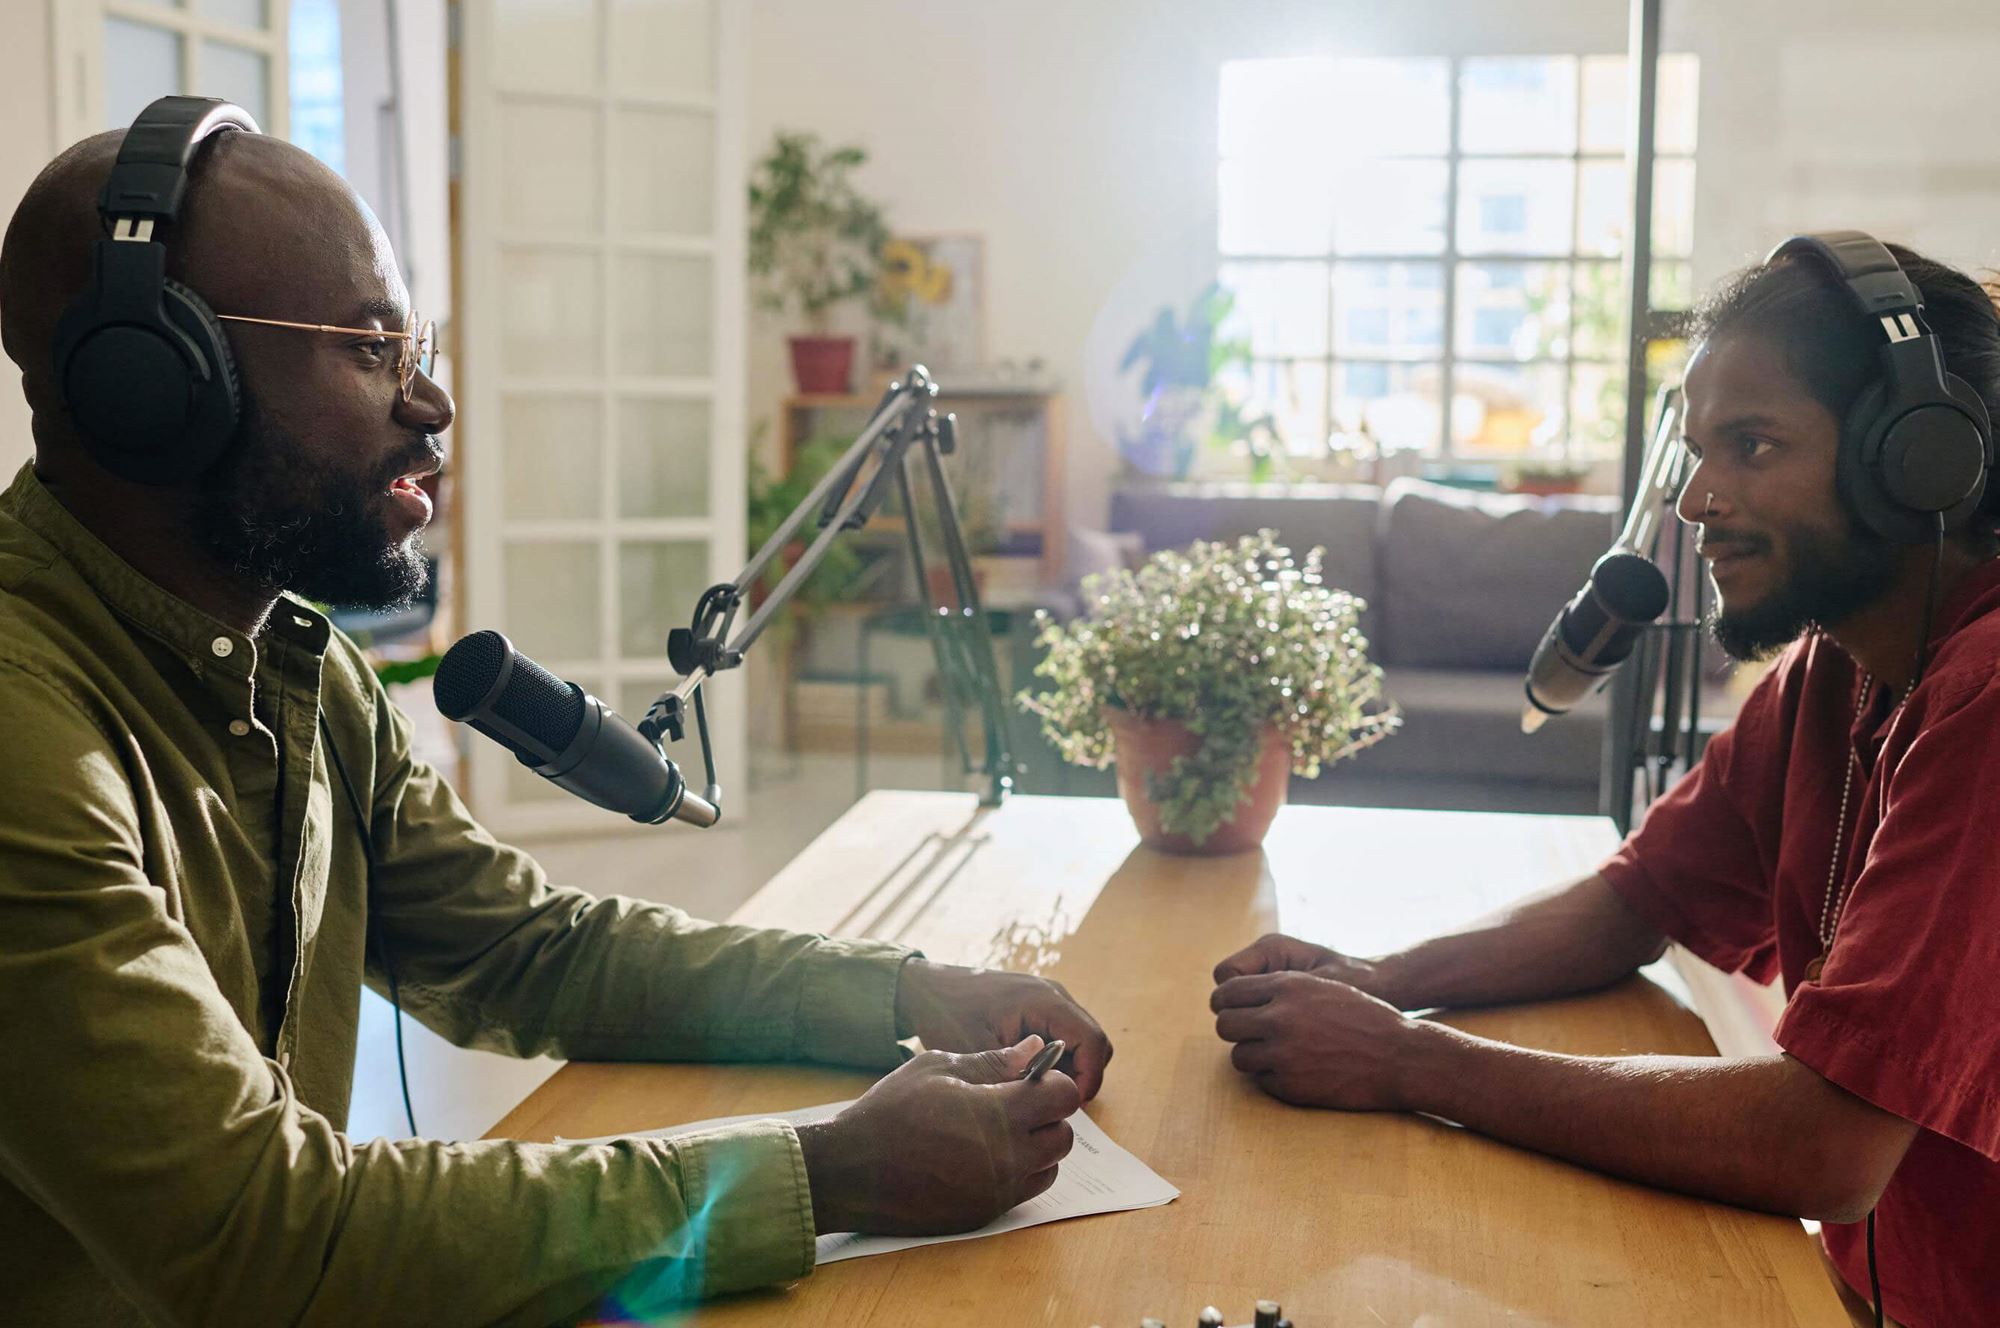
pixel 186 918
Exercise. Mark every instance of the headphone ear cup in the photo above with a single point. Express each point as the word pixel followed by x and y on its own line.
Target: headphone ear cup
pixel 218 399
pixel 1859 480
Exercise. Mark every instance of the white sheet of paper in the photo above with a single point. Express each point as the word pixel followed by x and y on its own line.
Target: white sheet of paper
pixel 1097 1177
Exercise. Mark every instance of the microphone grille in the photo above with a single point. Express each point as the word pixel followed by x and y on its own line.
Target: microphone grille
pixel 540 704
pixel 466 673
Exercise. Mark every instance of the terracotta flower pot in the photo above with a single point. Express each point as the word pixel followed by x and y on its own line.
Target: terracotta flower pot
pixel 1149 746
pixel 822 364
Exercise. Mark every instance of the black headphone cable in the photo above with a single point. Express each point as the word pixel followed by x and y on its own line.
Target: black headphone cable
pixel 381 941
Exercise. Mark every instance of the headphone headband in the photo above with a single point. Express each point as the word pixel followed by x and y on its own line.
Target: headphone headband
pixel 150 176
pixel 1872 276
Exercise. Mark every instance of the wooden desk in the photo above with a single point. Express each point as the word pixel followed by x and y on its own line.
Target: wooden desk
pixel 1348 1219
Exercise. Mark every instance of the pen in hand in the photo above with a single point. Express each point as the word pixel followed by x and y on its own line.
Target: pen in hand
pixel 1044 1058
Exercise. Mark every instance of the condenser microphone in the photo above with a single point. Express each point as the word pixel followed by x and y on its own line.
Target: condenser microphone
pixel 563 733
pixel 1593 634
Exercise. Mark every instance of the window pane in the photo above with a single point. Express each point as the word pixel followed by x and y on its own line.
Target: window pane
pixel 551 156
pixel 1673 207
pixel 551 590
pixel 658 584
pixel 1390 207
pixel 553 447
pixel 1506 410
pixel 1672 286
pixel 1270 207
pixel 1515 207
pixel 551 313
pixel 1597 316
pixel 1597 407
pixel 1676 111
pixel 663 306
pixel 665 47
pixel 1604 108
pixel 1601 208
pixel 1317 110
pixel 1392 310
pixel 546 45
pixel 1292 392
pixel 1513 310
pixel 663 171
pixel 662 458
pixel 1280 307
pixel 1518 104
pixel 235 73
pixel 1387 407
pixel 1674 108
pixel 142 63
pixel 243 13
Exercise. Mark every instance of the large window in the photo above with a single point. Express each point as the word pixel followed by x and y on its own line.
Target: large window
pixel 1402 233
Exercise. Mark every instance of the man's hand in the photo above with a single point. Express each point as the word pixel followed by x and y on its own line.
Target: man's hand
pixel 974 1009
pixel 1287 954
pixel 942 1144
pixel 1314 1041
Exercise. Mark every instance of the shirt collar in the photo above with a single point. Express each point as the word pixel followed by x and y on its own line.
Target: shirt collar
pixel 210 646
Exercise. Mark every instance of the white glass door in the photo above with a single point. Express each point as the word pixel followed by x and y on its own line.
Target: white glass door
pixel 601 435
pixel 114 57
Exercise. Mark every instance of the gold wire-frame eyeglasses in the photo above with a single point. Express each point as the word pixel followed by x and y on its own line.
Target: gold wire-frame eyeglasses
pixel 418 348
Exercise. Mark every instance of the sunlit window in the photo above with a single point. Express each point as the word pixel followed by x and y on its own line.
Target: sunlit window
pixel 319 121
pixel 1400 233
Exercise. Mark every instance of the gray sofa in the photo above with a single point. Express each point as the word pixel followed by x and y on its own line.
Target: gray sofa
pixel 1459 588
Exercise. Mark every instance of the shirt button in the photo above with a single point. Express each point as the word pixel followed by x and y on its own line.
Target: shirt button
pixel 223 647
pixel 239 727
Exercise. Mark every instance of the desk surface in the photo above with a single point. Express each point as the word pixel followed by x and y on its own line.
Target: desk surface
pixel 1348 1219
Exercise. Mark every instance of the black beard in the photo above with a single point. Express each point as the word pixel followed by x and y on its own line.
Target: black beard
pixel 284 522
pixel 1831 578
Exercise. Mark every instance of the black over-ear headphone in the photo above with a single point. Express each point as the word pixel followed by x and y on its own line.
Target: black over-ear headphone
pixel 1918 444
pixel 141 362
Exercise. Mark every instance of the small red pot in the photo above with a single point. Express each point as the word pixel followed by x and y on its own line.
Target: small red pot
pixel 822 364
pixel 1149 746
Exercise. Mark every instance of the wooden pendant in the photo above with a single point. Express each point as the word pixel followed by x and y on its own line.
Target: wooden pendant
pixel 1815 968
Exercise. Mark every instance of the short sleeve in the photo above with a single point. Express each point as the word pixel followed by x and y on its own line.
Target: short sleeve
pixel 1697 868
pixel 1907 1011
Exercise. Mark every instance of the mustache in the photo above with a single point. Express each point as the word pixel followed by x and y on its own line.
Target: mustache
pixel 1715 543
pixel 426 454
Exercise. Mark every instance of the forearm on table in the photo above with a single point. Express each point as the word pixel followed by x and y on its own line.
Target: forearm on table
pixel 1577 938
pixel 1760 1132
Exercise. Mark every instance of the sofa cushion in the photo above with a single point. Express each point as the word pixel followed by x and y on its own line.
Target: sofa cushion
pixel 1339 518
pixel 1465 724
pixel 1471 580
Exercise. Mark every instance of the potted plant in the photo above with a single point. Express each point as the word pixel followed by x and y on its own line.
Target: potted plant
pixel 1210 676
pixel 815 243
pixel 1179 357
pixel 1547 478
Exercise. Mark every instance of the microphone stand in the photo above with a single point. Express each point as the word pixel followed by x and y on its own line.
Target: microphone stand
pixel 1662 720
pixel 904 430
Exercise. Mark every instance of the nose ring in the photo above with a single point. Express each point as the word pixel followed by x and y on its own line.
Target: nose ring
pixel 1708 504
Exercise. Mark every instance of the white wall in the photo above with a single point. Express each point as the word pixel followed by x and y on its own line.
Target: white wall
pixel 1080 139
pixel 27 97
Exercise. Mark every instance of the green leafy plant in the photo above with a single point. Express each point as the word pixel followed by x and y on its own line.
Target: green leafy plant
pixel 1225 638
pixel 1180 356
pixel 771 500
pixel 815 240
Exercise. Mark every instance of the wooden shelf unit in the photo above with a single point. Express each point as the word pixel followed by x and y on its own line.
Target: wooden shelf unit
pixel 797 425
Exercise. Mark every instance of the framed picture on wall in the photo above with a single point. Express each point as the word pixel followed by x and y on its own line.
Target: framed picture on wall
pixel 934 302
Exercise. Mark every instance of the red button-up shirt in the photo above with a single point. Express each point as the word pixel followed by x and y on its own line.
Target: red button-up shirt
pixel 1733 864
